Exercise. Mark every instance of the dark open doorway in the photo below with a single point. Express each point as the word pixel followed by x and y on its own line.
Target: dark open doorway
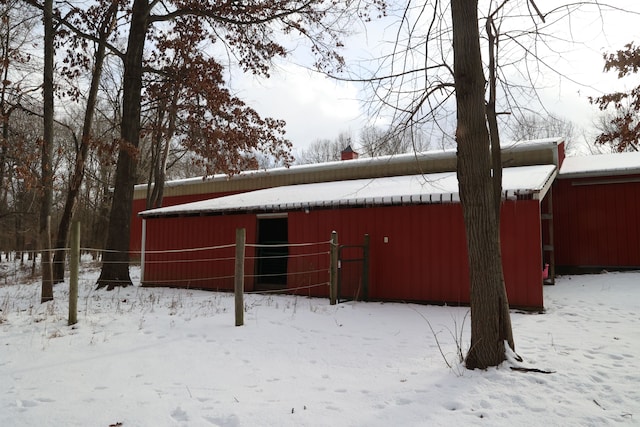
pixel 271 265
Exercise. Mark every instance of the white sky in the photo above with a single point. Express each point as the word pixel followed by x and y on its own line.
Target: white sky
pixel 315 107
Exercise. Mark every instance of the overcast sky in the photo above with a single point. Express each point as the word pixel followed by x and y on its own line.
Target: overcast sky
pixel 316 107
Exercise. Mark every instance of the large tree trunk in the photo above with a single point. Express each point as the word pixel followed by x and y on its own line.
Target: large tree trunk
pixel 490 321
pixel 115 266
pixel 78 172
pixel 46 178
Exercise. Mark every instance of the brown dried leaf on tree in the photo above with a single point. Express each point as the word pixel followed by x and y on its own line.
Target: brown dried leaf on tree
pixel 623 130
pixel 250 33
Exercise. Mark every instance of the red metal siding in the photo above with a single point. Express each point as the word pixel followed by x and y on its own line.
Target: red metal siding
pixel 424 257
pixel 561 154
pixel 209 269
pixel 596 222
pixel 309 272
pixel 520 234
pixel 139 205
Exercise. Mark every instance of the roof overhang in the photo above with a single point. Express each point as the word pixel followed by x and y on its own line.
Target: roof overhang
pixel 601 165
pixel 528 182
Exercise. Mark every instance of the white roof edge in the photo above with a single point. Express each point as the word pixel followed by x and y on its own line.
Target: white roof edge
pixel 407 189
pixel 532 144
pixel 600 173
pixel 611 164
pixel 547 185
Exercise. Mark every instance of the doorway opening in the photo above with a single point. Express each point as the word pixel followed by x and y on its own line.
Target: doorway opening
pixel 273 252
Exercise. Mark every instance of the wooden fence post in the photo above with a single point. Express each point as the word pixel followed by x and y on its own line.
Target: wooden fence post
pixel 47 270
pixel 239 275
pixel 333 271
pixel 74 265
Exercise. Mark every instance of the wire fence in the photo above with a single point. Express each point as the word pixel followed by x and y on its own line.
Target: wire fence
pixel 282 267
pixel 303 266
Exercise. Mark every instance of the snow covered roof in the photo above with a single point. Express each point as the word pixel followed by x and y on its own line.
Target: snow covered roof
pixel 601 165
pixel 533 181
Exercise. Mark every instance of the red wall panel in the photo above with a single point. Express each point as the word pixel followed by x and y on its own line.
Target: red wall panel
pixel 423 257
pixel 520 234
pixel 208 269
pixel 596 222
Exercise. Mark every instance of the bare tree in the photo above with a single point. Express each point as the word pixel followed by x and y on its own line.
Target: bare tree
pixel 536 126
pixel 19 220
pixel 104 28
pixel 437 57
pixel 324 150
pixel 17 66
pixel 46 178
pixel 375 141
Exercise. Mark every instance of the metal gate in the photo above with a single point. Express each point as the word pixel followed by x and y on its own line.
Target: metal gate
pixel 353 272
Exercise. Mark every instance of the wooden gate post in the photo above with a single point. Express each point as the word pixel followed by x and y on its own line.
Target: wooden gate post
pixel 47 268
pixel 239 276
pixel 333 271
pixel 74 265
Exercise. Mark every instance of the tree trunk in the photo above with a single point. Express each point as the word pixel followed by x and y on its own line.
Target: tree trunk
pixel 490 322
pixel 492 122
pixel 4 115
pixel 75 183
pixel 47 153
pixel 158 169
pixel 3 158
pixel 115 266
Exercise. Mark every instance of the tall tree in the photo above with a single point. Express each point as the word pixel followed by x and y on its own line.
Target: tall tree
pixel 17 65
pixel 21 184
pixel 623 129
pixel 490 319
pixel 104 25
pixel 249 31
pixel 193 109
pixel 437 56
pixel 421 78
pixel 115 270
pixel 46 177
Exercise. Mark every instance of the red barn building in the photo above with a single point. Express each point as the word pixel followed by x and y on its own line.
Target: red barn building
pixel 596 213
pixel 408 206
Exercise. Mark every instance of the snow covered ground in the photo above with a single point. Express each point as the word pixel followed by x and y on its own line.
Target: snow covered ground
pixel 166 357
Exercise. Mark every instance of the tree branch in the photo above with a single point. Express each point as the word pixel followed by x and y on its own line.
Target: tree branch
pixel 203 13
